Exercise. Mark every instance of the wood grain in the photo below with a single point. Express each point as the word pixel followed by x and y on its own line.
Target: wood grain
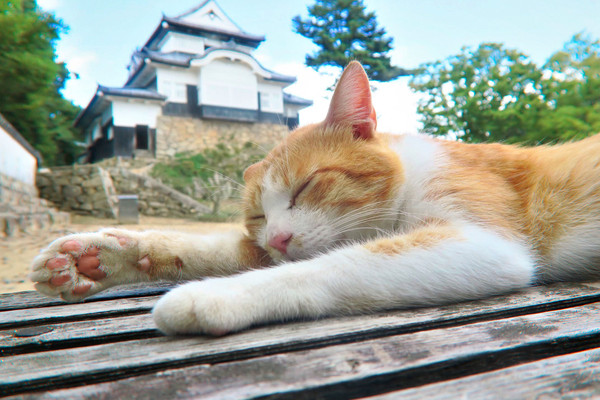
pixel 103 323
pixel 30 299
pixel 78 334
pixel 80 311
pixel 340 371
pixel 574 376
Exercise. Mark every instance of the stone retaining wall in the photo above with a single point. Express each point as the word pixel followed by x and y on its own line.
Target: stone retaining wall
pixel 192 135
pixel 154 197
pixel 21 209
pixel 91 190
pixel 83 189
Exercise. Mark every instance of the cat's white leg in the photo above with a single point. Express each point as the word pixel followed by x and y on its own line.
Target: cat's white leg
pixel 79 265
pixel 432 265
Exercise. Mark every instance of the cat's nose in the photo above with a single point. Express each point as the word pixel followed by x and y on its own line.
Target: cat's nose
pixel 280 241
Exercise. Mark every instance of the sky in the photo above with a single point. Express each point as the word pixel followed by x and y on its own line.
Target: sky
pixel 103 34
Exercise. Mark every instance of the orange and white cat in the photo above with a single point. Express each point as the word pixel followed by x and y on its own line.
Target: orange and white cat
pixel 350 221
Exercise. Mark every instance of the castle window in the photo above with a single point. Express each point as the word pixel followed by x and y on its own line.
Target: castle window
pixel 142 137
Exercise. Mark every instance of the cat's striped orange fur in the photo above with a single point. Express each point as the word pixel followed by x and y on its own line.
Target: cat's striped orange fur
pixel 351 220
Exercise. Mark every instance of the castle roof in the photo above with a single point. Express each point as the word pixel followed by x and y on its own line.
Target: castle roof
pixel 98 100
pixel 204 20
pixel 186 60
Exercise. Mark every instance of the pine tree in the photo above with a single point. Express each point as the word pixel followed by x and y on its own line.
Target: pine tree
pixel 345 31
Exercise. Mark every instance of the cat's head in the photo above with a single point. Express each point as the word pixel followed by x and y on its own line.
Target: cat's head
pixel 326 183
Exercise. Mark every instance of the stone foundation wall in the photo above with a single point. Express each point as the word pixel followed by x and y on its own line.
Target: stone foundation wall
pixel 83 189
pixel 91 190
pixel 180 134
pixel 155 198
pixel 21 209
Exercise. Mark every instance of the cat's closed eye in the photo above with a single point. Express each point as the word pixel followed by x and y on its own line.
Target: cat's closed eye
pixel 298 192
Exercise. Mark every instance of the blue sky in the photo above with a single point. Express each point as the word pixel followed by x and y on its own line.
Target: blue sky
pixel 104 33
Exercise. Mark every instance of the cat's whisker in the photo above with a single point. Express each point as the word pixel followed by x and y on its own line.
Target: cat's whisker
pixel 259 146
pixel 228 178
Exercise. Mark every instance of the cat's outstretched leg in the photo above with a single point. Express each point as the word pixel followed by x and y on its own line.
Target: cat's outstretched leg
pixel 80 265
pixel 432 265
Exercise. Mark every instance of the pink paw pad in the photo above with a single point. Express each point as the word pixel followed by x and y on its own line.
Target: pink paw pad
pixel 144 264
pixel 123 241
pixel 87 264
pixel 57 263
pixel 71 246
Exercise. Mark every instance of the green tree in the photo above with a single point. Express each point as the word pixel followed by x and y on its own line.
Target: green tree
pixel 496 94
pixel 487 94
pixel 572 89
pixel 31 80
pixel 345 31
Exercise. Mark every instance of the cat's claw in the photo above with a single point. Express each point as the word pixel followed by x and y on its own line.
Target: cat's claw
pixel 77 266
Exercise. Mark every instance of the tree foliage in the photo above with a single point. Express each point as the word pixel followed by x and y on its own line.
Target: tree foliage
pixel 31 80
pixel 496 94
pixel 345 31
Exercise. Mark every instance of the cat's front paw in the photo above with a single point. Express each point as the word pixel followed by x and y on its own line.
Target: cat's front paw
pixel 214 306
pixel 79 265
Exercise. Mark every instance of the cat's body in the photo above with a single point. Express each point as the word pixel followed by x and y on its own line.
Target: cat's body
pixel 349 220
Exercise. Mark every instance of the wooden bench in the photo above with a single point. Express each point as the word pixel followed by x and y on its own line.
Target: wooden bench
pixel 538 343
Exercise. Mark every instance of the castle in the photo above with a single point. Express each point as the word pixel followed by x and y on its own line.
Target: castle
pixel 194 82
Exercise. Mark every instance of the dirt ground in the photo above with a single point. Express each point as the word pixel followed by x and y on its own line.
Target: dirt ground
pixel 16 253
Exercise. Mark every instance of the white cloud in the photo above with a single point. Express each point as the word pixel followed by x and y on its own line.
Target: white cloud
pixel 49 5
pixel 394 102
pixel 81 86
pixel 310 85
pixel 396 107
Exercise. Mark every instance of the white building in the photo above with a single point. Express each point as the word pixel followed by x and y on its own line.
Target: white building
pixel 18 159
pixel 196 65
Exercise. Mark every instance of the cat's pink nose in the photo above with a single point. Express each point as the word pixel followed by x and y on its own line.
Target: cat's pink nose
pixel 280 241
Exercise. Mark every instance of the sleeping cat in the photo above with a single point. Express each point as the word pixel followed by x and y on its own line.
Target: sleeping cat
pixel 350 221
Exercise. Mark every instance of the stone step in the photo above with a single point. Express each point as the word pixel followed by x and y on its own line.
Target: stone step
pixel 15 222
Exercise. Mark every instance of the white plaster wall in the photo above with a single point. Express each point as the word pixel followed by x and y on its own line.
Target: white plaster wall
pixel 228 84
pixel 177 42
pixel 172 83
pixel 135 113
pixel 95 130
pixel 271 97
pixel 106 115
pixel 291 110
pixel 15 160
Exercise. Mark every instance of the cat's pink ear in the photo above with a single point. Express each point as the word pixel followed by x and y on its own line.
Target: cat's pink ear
pixel 351 103
pixel 252 170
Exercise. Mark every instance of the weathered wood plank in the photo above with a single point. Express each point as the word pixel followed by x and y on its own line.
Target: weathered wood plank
pixel 30 299
pixel 76 334
pixel 107 329
pixel 574 376
pixel 69 312
pixel 340 371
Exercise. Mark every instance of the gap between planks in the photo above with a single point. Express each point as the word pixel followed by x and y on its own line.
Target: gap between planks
pixel 31 299
pixel 574 376
pixel 356 369
pixel 127 320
